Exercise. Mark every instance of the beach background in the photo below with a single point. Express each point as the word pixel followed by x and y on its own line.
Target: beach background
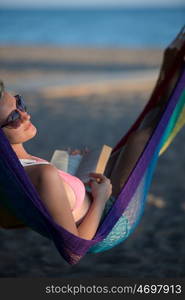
pixel 86 74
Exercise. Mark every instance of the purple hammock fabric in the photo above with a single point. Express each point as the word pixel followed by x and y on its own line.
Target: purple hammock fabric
pixel 18 193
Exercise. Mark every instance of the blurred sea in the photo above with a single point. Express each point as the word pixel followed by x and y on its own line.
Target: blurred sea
pixel 132 28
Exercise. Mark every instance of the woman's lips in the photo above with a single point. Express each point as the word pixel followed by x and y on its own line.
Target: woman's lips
pixel 30 124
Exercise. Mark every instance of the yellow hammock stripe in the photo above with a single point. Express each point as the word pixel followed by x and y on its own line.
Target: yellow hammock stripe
pixel 176 122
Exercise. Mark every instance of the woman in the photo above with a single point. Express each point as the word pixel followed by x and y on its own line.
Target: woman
pixel 58 190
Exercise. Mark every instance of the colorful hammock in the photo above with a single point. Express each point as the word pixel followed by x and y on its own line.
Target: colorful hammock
pixel 20 198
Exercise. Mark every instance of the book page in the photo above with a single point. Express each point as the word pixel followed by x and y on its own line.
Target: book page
pixel 73 163
pixel 60 160
pixel 93 161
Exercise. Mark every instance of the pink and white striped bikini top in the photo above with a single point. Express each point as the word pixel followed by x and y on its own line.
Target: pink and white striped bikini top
pixel 74 182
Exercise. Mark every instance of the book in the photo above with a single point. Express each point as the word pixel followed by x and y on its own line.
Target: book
pixel 81 165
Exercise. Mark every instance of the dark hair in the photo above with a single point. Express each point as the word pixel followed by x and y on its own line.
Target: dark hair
pixel 1 89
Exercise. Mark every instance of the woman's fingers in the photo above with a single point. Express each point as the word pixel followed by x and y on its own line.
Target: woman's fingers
pixel 85 150
pixel 74 152
pixel 99 177
pixel 77 151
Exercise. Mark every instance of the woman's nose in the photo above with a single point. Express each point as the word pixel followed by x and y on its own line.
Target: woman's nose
pixel 24 115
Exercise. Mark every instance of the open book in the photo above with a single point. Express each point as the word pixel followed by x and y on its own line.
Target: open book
pixel 81 165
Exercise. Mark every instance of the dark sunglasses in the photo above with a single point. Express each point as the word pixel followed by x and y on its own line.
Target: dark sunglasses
pixel 14 119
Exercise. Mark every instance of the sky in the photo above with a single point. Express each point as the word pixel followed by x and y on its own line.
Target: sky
pixel 96 3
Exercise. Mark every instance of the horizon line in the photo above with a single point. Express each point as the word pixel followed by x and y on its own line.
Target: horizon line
pixel 153 5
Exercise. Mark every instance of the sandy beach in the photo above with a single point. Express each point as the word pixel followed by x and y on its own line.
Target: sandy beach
pixel 105 90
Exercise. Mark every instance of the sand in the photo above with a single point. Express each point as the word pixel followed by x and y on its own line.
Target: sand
pixel 94 95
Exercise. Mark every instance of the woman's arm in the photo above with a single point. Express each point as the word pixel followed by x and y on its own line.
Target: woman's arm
pixel 100 192
pixel 53 194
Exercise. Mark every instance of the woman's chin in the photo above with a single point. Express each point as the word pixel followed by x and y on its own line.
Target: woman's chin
pixel 32 130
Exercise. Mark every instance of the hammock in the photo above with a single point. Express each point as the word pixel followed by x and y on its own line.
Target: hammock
pixel 20 200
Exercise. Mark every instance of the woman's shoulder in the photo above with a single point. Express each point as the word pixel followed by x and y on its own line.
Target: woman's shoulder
pixel 40 172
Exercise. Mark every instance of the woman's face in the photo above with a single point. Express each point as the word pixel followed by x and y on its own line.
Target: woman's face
pixel 25 131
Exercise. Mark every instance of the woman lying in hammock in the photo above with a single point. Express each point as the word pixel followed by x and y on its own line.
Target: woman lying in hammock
pixel 64 195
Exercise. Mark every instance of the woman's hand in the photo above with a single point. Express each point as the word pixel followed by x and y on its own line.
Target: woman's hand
pixel 101 187
pixel 78 151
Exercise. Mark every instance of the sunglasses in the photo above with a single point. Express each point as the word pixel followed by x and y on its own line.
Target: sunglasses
pixel 14 119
